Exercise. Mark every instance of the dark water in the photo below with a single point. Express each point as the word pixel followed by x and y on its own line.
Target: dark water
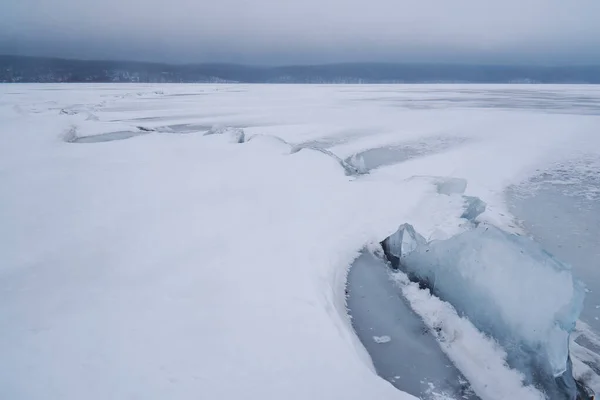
pixel 403 351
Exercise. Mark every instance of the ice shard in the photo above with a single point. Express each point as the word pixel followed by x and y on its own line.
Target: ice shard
pixel 449 186
pixel 404 241
pixel 509 288
pixel 358 162
pixel 474 207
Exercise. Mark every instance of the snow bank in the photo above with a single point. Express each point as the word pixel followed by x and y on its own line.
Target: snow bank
pixel 179 267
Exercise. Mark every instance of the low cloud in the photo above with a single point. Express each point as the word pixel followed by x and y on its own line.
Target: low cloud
pixel 308 31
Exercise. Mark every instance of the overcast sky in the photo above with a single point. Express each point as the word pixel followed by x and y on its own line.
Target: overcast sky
pixel 306 31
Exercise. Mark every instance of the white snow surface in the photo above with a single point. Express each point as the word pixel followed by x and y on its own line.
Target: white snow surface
pixel 173 265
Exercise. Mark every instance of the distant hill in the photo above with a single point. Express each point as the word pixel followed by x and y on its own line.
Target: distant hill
pixel 38 69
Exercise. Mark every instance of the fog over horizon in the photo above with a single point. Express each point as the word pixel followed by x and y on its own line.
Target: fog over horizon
pixel 268 32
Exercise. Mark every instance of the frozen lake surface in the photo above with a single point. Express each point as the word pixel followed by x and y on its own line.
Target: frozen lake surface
pixel 560 207
pixel 140 257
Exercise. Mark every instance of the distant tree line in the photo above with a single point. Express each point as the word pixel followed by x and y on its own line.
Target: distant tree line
pixel 38 69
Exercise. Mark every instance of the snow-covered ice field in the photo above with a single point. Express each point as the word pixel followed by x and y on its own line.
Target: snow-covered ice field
pixel 143 259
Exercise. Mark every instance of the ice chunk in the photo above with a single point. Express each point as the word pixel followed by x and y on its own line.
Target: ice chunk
pixel 402 242
pixel 474 207
pixel 382 339
pixel 448 186
pixel 358 162
pixel 509 287
pixel 235 135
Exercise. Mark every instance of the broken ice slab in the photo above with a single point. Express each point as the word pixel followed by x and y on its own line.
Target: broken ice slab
pixel 510 288
pixel 474 207
pixel 455 188
pixel 404 241
pixel 449 186
pixel 235 135
pixel 358 162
